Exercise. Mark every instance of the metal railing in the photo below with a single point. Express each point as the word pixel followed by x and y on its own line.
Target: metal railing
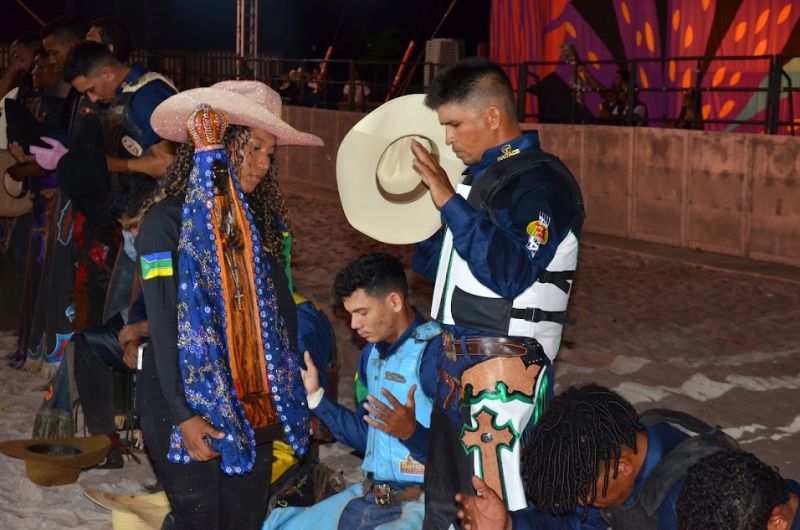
pixel 780 86
pixel 363 85
pixel 346 85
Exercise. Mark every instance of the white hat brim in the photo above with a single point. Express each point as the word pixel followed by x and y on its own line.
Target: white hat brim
pixel 169 118
pixel 365 207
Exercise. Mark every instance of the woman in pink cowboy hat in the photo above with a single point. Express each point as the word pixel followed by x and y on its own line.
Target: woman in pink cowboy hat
pixel 221 380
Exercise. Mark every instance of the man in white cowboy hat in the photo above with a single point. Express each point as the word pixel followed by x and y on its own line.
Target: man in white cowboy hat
pixel 221 379
pixel 503 266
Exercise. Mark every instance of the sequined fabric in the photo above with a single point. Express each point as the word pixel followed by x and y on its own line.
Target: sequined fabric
pixel 203 333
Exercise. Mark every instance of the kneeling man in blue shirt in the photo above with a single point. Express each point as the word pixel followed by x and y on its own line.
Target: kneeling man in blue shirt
pixel 395 385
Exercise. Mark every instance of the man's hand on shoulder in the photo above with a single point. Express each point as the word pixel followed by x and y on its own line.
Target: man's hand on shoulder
pixel 398 420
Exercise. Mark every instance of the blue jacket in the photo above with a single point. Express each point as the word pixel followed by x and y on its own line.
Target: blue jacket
pixel 315 335
pixel 496 249
pixel 349 426
pixel 661 439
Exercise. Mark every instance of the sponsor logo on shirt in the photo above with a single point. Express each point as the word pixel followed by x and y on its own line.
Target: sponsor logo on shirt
pixel 391 376
pixel 409 466
pixel 538 233
pixel 507 152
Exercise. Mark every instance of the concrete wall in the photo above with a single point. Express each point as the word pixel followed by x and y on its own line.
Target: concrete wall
pixel 736 194
pixel 313 169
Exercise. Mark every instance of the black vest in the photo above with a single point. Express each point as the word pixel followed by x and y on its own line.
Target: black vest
pixel 122 137
pixel 643 514
pixel 503 173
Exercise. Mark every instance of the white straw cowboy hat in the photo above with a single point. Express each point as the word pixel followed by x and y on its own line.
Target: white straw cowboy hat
pixel 248 103
pixel 132 512
pixel 381 193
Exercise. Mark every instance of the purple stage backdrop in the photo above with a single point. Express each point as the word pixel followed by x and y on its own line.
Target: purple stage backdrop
pixel 659 43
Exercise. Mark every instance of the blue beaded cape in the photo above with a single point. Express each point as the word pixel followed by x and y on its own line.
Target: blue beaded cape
pixel 202 331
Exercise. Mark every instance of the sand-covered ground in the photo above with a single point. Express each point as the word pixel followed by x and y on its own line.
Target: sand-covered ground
pixel 718 344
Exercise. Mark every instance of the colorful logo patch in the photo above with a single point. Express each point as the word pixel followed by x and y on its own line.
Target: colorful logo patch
pixel 155 265
pixel 409 466
pixel 538 232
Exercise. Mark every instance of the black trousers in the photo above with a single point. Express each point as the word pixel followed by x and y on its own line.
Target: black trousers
pixel 20 240
pixel 200 494
pixel 97 356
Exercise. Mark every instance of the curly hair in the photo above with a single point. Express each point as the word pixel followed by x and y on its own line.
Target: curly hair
pixel 266 201
pixel 581 431
pixel 378 274
pixel 730 490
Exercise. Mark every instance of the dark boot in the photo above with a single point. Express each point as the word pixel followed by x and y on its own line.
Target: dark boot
pixel 113 460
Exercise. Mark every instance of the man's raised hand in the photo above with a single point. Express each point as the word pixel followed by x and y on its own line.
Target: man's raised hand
pixel 432 174
pixel 310 375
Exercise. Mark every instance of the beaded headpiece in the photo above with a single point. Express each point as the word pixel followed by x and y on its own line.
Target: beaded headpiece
pixel 206 128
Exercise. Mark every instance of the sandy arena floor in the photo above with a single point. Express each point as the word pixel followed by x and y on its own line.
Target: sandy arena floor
pixel 665 333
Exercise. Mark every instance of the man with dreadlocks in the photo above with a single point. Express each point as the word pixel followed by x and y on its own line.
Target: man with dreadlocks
pixel 222 379
pixel 594 463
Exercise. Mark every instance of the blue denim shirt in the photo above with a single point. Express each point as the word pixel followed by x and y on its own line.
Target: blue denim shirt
pixel 349 426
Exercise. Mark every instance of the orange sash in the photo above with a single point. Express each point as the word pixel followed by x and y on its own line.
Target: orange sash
pixel 245 347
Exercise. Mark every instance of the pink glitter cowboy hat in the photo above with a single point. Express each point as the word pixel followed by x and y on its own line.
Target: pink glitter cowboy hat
pixel 248 103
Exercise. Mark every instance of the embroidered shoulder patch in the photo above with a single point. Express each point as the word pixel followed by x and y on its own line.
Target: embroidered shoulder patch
pixel 132 146
pixel 155 265
pixel 538 232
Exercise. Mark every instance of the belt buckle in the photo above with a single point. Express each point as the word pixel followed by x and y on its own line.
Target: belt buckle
pixel 382 494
